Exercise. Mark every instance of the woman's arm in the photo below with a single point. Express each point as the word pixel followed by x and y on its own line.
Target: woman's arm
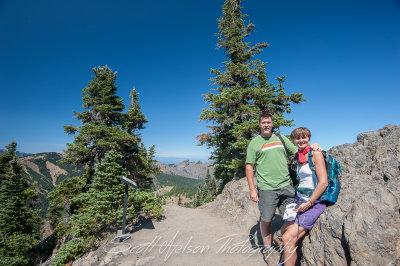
pixel 320 170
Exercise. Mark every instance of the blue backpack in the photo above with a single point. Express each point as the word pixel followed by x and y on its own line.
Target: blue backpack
pixel 334 172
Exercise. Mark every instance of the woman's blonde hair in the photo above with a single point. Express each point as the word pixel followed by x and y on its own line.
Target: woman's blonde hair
pixel 300 132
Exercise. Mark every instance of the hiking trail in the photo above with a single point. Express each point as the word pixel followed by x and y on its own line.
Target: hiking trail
pixel 184 237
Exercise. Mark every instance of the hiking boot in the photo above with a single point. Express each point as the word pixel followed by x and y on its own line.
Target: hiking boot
pixel 277 239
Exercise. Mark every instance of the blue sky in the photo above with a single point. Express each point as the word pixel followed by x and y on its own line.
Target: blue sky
pixel 343 55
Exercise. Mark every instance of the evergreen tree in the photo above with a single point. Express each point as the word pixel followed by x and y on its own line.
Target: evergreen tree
pixel 198 197
pixel 205 193
pixel 207 179
pixel 19 221
pixel 101 208
pixel 109 145
pixel 207 187
pixel 106 127
pixel 242 93
pixel 213 188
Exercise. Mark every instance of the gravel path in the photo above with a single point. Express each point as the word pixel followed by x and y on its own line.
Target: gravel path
pixel 185 237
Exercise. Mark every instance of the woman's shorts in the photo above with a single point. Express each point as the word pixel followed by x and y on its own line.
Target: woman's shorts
pixel 307 219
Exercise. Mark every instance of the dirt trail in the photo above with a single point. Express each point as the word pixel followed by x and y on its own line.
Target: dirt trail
pixel 185 237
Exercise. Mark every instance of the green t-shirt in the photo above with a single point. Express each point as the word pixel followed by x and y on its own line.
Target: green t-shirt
pixel 269 157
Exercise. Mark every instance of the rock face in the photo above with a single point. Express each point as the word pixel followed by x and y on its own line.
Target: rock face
pixel 363 227
pixel 234 202
pixel 195 170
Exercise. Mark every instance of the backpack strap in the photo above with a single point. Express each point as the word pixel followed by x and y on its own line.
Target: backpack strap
pixel 312 167
pixel 296 158
pixel 281 139
pixel 295 180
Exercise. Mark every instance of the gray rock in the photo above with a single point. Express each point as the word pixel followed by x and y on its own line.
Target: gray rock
pixel 363 227
pixel 89 259
pixel 235 202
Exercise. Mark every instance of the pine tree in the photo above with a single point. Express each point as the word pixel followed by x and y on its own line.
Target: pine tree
pixel 102 205
pixel 19 221
pixel 106 127
pixel 242 93
pixel 108 144
pixel 101 208
pixel 207 186
pixel 213 187
pixel 198 197
pixel 207 179
pixel 205 193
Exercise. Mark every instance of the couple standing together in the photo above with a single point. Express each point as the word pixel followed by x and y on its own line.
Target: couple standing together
pixel 266 153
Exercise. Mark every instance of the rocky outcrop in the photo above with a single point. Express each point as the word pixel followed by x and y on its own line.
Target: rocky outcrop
pixel 196 170
pixel 235 202
pixel 363 227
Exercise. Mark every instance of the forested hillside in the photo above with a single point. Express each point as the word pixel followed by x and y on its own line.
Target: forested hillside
pixel 181 185
pixel 43 173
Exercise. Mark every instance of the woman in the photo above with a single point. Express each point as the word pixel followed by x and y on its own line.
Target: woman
pixel 310 208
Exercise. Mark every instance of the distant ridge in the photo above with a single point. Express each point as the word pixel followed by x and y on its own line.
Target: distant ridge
pixel 19 154
pixel 195 170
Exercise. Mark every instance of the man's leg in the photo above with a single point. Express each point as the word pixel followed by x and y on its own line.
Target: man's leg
pixel 265 228
pixel 268 200
pixel 286 196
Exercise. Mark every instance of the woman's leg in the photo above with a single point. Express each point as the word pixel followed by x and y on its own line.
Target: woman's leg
pixel 293 233
pixel 285 226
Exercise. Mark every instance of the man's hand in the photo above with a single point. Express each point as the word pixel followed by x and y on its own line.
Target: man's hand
pixel 252 187
pixel 316 147
pixel 254 195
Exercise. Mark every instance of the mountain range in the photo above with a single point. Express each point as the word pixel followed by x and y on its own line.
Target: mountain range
pixel 196 170
pixel 19 154
pixel 43 172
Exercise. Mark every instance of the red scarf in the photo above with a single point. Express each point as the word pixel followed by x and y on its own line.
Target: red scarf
pixel 302 154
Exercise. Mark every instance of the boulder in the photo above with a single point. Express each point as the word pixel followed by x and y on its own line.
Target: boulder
pixel 234 203
pixel 363 227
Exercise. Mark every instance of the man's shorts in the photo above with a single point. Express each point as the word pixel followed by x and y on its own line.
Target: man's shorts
pixel 268 200
pixel 307 219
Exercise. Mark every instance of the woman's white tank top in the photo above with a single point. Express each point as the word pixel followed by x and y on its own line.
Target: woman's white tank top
pixel 306 181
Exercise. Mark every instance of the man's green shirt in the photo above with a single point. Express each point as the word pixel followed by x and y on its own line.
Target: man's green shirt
pixel 269 157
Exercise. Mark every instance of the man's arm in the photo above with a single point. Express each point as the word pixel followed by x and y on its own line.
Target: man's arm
pixel 250 180
pixel 316 147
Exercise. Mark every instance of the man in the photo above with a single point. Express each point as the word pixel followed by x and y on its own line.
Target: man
pixel 274 189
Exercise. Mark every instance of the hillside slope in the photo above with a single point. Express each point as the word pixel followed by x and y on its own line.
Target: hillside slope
pixel 43 173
